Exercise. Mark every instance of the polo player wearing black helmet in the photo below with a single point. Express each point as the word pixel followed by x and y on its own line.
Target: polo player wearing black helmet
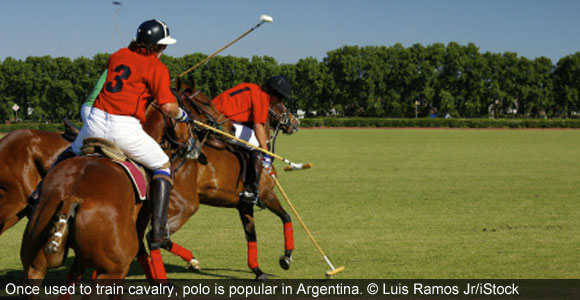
pixel 151 32
pixel 247 105
pixel 134 76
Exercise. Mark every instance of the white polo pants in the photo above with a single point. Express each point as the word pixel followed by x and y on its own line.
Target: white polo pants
pixel 85 111
pixel 246 133
pixel 127 133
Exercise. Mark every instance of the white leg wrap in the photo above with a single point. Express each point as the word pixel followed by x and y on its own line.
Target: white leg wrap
pixel 194 265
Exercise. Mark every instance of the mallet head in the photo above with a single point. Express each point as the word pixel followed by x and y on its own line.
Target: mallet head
pixel 266 18
pixel 333 272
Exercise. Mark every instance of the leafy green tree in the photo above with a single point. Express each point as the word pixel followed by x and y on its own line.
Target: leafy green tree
pixel 493 82
pixel 3 92
pixel 18 80
pixel 567 80
pixel 373 81
pixel 536 86
pixel 345 66
pixel 313 82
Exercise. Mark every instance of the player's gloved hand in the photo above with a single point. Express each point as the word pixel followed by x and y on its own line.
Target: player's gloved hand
pixel 267 162
pixel 182 116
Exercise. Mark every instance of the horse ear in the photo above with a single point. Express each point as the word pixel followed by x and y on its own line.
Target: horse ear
pixel 178 84
pixel 192 83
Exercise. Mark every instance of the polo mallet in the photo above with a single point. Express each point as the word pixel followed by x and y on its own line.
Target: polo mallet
pixel 263 19
pixel 333 270
pixel 119 4
pixel 292 166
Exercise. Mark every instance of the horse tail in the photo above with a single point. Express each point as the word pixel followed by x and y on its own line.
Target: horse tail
pixel 59 230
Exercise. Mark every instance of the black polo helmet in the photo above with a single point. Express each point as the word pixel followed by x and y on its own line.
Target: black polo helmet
pixel 281 85
pixel 154 32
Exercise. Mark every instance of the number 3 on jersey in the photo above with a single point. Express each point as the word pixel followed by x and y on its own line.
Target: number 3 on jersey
pixel 123 73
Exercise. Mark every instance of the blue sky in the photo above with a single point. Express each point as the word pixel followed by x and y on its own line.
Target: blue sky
pixel 301 28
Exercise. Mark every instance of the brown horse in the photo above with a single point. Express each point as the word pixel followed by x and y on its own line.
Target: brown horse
pixel 219 184
pixel 88 204
pixel 31 145
pixel 26 157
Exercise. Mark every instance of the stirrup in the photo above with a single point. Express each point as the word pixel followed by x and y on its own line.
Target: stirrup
pixel 251 198
pixel 159 242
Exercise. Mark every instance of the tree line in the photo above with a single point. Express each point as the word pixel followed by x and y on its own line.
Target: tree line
pixel 352 81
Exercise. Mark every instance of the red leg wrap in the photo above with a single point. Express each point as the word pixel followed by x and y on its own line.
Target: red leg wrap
pixel 181 252
pixel 66 296
pixel 95 274
pixel 145 263
pixel 252 255
pixel 71 280
pixel 288 236
pixel 158 266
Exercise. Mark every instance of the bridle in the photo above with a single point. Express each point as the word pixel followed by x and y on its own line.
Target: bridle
pixel 201 109
pixel 188 149
pixel 281 118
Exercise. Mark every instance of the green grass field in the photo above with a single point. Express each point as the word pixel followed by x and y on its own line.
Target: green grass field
pixel 402 203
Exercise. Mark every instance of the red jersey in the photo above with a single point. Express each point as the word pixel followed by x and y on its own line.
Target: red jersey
pixel 132 79
pixel 245 102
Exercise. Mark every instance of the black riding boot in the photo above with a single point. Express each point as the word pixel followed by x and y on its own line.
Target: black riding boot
pixel 158 236
pixel 159 196
pixel 252 180
pixel 33 198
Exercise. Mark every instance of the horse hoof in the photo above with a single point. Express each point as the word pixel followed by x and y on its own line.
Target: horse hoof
pixel 285 262
pixel 194 266
pixel 261 277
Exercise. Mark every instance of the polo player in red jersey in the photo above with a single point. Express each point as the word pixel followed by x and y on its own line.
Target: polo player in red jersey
pixel 247 105
pixel 135 75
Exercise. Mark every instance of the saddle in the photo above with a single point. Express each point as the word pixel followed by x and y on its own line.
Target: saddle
pixel 218 142
pixel 93 146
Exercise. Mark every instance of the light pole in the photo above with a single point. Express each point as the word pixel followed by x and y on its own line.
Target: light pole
pixel 416 109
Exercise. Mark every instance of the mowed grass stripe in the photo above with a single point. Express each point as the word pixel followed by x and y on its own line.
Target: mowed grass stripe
pixel 403 203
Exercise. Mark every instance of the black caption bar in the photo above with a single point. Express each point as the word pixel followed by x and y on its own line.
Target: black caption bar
pixel 304 289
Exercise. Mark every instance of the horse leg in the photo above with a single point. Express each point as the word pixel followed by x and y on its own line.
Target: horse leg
pixel 145 262
pixel 12 220
pixel 271 201
pixel 112 273
pixel 74 276
pixel 246 211
pixel 12 211
pixel 180 210
pixel 35 261
pixel 178 250
pixel 142 256
pixel 35 273
pixel 113 279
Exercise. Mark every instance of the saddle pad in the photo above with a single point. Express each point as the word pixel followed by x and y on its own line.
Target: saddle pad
pixel 137 177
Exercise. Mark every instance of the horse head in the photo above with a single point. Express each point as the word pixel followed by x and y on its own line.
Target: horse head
pixel 199 107
pixel 175 137
pixel 282 119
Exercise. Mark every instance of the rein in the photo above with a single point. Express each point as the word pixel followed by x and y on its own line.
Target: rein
pixel 282 119
pixel 210 118
pixel 182 150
